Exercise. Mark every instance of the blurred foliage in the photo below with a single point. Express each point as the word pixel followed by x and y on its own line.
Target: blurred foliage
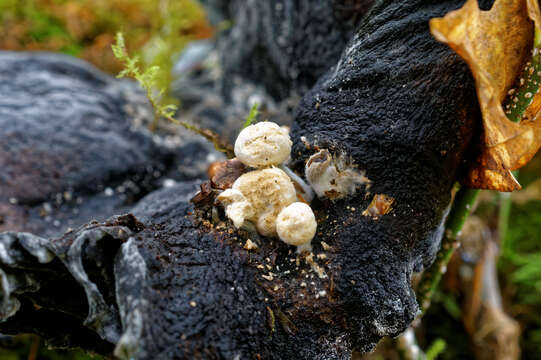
pixel 31 347
pixel 158 29
pixel 436 349
pixel 441 324
pixel 252 116
pixel 520 265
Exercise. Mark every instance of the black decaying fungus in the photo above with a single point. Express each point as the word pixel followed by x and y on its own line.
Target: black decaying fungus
pixel 401 105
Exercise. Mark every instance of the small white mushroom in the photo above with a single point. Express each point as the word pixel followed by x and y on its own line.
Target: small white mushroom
pixel 237 208
pixel 296 225
pixel 263 144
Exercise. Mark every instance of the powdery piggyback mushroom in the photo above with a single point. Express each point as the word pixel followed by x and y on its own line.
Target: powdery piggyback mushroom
pixel 259 196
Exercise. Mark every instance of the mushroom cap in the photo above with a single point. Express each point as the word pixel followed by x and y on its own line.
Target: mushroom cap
pixel 237 208
pixel 296 224
pixel 263 144
pixel 268 191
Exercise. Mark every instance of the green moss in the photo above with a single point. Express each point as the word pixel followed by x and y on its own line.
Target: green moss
pixel 23 345
pixel 252 116
pixel 520 267
pixel 156 30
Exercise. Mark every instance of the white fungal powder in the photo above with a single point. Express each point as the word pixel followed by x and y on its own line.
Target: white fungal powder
pixel 332 177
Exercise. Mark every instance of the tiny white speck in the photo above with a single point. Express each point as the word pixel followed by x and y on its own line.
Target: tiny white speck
pixel 167 183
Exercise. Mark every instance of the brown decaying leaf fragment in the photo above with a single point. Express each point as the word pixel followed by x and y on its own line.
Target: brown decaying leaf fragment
pixel 381 204
pixel 204 196
pixel 495 44
pixel 222 174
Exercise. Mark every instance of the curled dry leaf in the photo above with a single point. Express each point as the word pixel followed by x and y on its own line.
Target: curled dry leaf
pixel 497 45
pixel 222 174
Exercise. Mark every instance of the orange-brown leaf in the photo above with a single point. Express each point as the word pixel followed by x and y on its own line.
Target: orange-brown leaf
pixel 496 44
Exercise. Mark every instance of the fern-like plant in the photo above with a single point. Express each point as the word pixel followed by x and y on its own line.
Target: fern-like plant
pixel 148 79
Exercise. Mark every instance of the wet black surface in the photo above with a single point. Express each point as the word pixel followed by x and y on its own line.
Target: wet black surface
pixel 71 148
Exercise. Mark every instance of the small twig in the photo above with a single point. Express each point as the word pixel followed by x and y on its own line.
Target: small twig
pixel 34 347
pixel 219 143
pixel 461 209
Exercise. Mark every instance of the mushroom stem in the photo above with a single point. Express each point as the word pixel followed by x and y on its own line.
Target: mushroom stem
pixel 307 190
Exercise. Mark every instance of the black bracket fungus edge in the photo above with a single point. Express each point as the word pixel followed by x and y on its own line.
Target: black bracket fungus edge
pixel 23 250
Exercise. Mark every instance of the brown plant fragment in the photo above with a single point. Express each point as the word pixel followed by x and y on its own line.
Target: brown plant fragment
pixel 286 323
pixel 496 44
pixel 381 204
pixel 205 196
pixel 222 174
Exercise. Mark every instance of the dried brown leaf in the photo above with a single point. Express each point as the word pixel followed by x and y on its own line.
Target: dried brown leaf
pixel 496 44
pixel 381 204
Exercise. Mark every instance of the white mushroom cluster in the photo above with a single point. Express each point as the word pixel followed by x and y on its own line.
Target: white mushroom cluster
pixel 266 196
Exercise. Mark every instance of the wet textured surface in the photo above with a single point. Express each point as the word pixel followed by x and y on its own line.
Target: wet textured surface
pixel 287 45
pixel 73 148
pixel 402 107
pixel 272 54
